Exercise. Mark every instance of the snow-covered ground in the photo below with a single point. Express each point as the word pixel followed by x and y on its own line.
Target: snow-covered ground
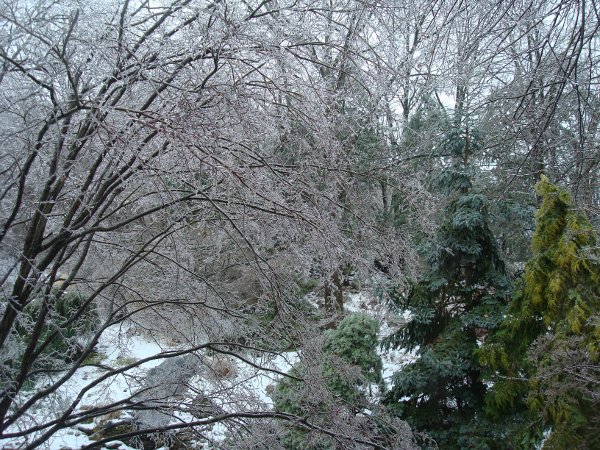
pixel 120 347
pixel 246 387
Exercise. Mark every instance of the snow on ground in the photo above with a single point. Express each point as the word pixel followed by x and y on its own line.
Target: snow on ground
pixel 73 439
pixel 121 346
pixel 247 388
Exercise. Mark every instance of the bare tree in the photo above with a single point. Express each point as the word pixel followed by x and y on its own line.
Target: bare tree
pixel 166 168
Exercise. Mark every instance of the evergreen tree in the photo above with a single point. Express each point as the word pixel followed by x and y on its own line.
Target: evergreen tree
pixel 349 363
pixel 457 301
pixel 545 354
pixel 355 341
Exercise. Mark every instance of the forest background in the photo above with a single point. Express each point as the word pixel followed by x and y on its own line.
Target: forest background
pixel 191 170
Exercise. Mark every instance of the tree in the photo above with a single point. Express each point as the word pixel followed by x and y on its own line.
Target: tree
pixel 453 305
pixel 537 104
pixel 141 170
pixel 346 366
pixel 546 351
pixel 355 340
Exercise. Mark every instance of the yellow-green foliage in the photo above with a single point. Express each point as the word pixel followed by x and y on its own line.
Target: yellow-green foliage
pixel 555 305
pixel 562 280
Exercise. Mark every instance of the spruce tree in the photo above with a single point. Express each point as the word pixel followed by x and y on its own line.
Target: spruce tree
pixel 453 305
pixel 544 358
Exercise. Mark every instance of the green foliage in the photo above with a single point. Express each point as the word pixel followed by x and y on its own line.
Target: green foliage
pixel 368 147
pixel 305 285
pixel 288 392
pixel 64 322
pixel 460 297
pixel 514 223
pixel 69 321
pixel 296 439
pixel 354 343
pixel 266 330
pixel 553 309
pixel 427 125
pixel 94 358
pixel 461 143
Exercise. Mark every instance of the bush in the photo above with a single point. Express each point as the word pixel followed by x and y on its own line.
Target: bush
pixel 353 346
pixel 329 389
pixel 281 333
pixel 67 325
pixel 355 341
pixel 305 285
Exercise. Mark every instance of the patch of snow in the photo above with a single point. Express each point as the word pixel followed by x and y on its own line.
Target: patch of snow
pixel 247 388
pixel 69 438
pixel 395 360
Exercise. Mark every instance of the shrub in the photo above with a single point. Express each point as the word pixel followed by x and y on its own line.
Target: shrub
pixel 355 341
pixel 68 324
pixel 327 388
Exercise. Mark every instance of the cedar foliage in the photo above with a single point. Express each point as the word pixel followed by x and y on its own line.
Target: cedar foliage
pixel 545 355
pixel 459 299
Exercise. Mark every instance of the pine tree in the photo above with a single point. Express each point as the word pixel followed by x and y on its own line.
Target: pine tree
pixel 545 354
pixel 457 301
